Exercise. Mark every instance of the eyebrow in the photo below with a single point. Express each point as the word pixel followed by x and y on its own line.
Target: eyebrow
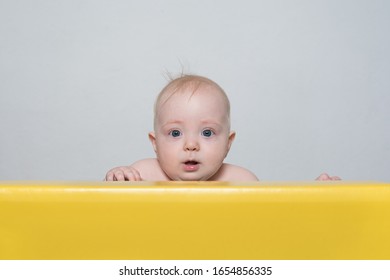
pixel 205 122
pixel 211 122
pixel 172 122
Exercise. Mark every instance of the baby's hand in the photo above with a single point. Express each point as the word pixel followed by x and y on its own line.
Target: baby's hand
pixel 123 173
pixel 326 177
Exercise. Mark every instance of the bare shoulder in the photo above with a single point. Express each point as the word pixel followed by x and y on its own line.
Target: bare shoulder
pixel 146 163
pixel 150 170
pixel 230 172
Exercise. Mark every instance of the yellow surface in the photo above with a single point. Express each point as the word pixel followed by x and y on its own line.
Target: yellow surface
pixel 209 220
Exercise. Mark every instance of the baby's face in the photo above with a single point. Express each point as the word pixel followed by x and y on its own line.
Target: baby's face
pixel 192 134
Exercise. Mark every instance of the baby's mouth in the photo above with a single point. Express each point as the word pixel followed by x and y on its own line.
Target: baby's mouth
pixel 191 166
pixel 191 162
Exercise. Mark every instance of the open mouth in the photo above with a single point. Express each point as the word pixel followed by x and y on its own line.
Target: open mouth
pixel 191 165
pixel 191 162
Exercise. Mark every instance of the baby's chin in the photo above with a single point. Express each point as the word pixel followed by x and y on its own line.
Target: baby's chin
pixel 191 177
pixel 202 174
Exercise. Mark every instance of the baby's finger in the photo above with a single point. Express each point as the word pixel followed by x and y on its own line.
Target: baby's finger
pixel 323 177
pixel 132 175
pixel 109 176
pixel 129 176
pixel 137 175
pixel 119 176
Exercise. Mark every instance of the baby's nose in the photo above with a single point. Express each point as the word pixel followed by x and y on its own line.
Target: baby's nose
pixel 191 145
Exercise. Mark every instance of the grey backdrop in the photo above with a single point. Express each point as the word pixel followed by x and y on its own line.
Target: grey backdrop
pixel 308 82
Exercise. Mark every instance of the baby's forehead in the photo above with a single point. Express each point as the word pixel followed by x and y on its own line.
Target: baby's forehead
pixel 187 91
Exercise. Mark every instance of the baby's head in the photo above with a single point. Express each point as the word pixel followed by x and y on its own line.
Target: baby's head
pixel 190 84
pixel 192 134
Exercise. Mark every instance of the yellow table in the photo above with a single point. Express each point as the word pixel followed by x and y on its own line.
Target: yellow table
pixel 191 220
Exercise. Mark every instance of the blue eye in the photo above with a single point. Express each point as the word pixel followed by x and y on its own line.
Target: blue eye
pixel 207 133
pixel 175 133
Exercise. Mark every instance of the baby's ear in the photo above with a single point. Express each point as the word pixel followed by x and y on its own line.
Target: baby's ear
pixel 232 135
pixel 152 138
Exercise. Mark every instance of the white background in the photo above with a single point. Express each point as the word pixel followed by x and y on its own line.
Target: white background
pixel 308 82
pixel 281 269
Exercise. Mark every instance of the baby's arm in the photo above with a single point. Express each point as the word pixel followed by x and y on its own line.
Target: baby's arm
pixel 123 173
pixel 142 170
pixel 230 172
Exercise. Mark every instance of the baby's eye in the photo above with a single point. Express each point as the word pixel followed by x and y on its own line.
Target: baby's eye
pixel 175 133
pixel 207 133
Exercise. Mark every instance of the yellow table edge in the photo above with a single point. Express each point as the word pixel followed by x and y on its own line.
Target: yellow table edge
pixel 194 220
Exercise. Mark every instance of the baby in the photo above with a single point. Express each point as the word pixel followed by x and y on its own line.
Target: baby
pixel 191 137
